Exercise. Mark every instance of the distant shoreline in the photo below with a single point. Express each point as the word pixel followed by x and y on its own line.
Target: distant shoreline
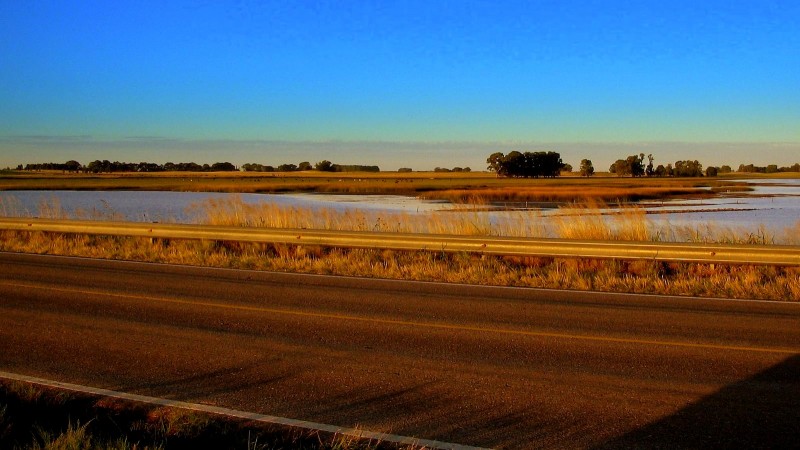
pixel 473 188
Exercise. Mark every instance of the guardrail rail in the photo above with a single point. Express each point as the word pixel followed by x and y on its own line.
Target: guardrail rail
pixel 779 255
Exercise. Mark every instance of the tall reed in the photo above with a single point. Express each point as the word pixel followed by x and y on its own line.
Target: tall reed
pixel 236 212
pixel 589 220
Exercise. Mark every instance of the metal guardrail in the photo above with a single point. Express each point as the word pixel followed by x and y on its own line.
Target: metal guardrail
pixel 490 245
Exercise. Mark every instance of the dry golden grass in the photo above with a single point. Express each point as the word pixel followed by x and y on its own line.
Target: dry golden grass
pixel 577 222
pixel 235 212
pixel 456 187
pixel 566 194
pixel 644 277
pixel 590 220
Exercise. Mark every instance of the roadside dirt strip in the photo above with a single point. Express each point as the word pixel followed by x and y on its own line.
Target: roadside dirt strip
pixel 249 416
pixel 471 365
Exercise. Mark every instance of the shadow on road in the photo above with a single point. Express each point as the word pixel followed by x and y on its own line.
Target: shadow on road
pixel 391 405
pixel 759 412
pixel 206 384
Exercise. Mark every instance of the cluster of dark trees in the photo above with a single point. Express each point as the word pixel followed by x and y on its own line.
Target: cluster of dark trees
pixel 255 167
pixel 526 165
pixel 549 164
pixel 322 166
pixel 107 166
pixel 327 166
pixel 772 168
pixel 454 169
pixel 69 166
pixel 634 166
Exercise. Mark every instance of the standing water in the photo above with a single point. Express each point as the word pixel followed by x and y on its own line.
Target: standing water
pixel 773 205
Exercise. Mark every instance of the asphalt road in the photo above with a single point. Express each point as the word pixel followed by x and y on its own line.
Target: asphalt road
pixel 493 367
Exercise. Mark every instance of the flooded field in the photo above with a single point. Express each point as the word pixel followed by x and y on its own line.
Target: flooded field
pixel 772 205
pixel 152 206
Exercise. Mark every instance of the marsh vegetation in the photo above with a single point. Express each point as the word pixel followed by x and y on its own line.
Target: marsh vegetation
pixel 580 214
pixel 642 277
pixel 464 187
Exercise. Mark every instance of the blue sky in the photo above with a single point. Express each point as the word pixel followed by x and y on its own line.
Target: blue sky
pixel 408 83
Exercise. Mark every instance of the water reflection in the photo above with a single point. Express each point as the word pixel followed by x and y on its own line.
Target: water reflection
pixel 157 206
pixel 773 205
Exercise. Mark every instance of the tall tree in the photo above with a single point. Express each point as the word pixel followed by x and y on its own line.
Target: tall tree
pixel 587 169
pixel 324 166
pixel 495 162
pixel 526 165
pixel 688 169
pixel 636 165
pixel 72 166
pixel 632 165
pixel 619 168
pixel 514 164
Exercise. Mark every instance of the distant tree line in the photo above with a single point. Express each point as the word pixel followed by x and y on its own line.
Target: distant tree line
pixel 454 169
pixel 69 166
pixel 327 166
pixel 515 164
pixel 107 166
pixel 549 164
pixel 322 166
pixel 772 168
pixel 526 165
pixel 634 166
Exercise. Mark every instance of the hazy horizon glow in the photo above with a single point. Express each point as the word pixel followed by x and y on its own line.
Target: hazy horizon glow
pixel 409 84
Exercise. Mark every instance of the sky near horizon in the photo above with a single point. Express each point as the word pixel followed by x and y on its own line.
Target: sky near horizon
pixel 399 84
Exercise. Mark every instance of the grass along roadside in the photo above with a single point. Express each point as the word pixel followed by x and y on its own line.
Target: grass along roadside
pixel 641 277
pixel 35 417
pixel 706 280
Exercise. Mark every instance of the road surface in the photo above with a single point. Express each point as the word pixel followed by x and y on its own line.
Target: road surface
pixel 492 367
